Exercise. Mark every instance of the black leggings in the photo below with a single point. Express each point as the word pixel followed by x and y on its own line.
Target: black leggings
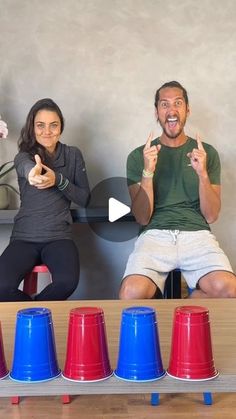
pixel 18 259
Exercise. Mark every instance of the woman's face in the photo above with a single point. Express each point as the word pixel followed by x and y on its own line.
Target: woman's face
pixel 47 129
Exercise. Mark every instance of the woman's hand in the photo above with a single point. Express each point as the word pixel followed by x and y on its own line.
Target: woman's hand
pixel 35 178
pixel 35 172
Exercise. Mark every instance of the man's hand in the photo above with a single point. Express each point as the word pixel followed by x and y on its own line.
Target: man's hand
pixel 150 154
pixel 35 178
pixel 198 158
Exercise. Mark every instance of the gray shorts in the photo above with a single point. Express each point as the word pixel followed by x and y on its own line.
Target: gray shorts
pixel 195 253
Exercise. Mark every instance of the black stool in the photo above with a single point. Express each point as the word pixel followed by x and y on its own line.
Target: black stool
pixel 173 285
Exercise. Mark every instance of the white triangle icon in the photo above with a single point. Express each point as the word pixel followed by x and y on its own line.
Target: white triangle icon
pixel 116 209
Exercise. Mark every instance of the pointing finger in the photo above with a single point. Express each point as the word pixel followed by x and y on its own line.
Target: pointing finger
pixel 45 167
pixel 37 159
pixel 149 140
pixel 199 142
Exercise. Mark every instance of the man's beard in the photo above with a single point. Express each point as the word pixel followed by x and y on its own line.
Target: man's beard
pixel 173 135
pixel 170 135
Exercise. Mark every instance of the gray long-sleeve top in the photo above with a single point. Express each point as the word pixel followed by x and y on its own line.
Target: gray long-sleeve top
pixel 44 214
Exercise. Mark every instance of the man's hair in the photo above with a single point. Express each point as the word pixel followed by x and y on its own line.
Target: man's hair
pixel 171 84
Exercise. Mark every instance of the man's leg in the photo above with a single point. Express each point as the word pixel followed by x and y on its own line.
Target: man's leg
pixel 137 287
pixel 217 284
pixel 153 257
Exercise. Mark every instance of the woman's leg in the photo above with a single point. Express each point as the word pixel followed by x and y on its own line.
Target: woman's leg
pixel 62 260
pixel 17 259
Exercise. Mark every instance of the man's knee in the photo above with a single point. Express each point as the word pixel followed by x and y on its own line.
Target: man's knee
pixel 127 289
pixel 222 286
pixel 225 289
pixel 137 287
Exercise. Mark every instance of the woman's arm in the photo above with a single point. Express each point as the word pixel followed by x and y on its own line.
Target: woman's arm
pixel 77 191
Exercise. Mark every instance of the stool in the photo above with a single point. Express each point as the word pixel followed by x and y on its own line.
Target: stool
pixel 30 285
pixel 173 285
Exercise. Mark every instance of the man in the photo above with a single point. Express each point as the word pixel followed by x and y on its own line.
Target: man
pixel 174 184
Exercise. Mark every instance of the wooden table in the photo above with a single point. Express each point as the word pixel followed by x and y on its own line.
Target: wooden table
pixel 223 328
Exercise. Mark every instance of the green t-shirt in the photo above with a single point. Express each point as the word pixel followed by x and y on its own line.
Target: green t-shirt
pixel 176 185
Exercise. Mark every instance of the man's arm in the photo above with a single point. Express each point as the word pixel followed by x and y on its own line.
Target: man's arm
pixel 142 198
pixel 209 195
pixel 142 195
pixel 210 199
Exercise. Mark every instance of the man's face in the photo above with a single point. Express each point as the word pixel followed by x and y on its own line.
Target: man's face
pixel 172 111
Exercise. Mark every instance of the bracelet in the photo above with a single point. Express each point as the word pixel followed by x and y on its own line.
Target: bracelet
pixel 147 174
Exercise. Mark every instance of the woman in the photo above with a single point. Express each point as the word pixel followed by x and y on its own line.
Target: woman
pixel 50 176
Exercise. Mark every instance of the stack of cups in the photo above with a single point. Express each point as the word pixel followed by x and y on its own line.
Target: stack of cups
pixel 139 356
pixel 34 357
pixel 191 356
pixel 3 367
pixel 87 352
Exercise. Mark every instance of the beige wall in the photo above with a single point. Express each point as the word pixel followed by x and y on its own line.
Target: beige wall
pixel 102 61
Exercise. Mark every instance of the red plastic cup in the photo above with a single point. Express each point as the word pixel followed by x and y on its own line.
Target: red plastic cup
pixel 191 356
pixel 87 352
pixel 3 368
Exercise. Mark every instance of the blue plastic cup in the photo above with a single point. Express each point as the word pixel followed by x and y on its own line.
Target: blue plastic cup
pixel 35 356
pixel 139 356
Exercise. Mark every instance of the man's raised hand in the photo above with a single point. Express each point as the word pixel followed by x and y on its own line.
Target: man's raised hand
pixel 150 154
pixel 198 157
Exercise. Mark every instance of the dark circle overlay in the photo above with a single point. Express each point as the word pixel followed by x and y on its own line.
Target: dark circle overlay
pixel 123 229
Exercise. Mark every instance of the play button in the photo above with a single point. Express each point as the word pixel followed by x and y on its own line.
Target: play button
pixel 116 210
pixel 109 214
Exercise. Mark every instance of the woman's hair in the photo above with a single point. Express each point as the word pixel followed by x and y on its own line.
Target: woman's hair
pixel 27 141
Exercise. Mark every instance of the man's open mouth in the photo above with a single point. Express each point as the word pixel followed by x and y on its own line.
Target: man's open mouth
pixel 172 121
